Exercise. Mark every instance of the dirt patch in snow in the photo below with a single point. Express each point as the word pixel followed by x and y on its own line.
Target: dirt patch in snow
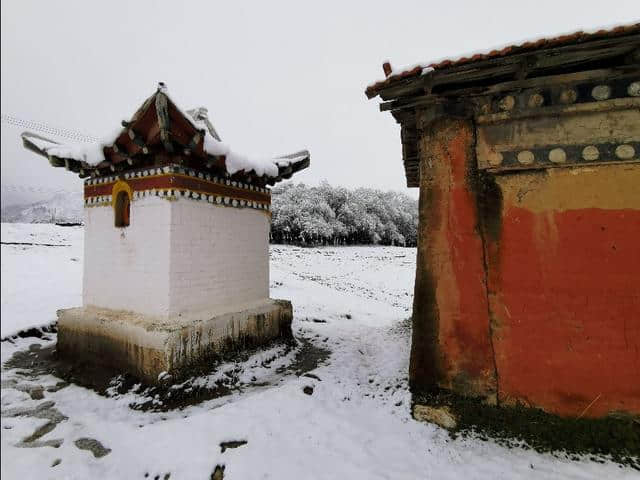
pixel 610 438
pixel 39 360
pixel 44 410
pixel 93 445
pixel 308 358
pixel 232 444
pixel 35 332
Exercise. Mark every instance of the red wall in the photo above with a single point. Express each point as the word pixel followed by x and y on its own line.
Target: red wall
pixel 451 311
pixel 533 297
pixel 568 309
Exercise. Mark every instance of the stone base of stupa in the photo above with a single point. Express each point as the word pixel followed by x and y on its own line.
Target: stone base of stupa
pixel 153 347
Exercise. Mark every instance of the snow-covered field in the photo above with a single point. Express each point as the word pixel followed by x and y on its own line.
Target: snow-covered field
pixel 353 301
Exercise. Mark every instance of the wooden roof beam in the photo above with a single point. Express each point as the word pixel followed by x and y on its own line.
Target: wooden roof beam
pixel 568 56
pixel 162 111
pixel 138 141
pixel 442 97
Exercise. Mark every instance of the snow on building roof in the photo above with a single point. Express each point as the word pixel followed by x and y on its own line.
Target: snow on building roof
pixel 394 77
pixel 158 133
pixel 464 84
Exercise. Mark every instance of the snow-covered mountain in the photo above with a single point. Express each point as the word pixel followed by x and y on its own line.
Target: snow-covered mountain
pixel 63 207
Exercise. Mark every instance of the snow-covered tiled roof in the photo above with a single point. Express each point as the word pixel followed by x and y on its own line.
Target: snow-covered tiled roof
pixel 395 76
pixel 159 132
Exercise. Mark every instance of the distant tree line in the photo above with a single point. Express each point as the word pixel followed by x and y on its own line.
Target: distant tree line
pixel 327 215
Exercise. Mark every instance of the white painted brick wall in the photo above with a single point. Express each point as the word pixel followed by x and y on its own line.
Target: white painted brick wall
pixel 128 268
pixel 219 256
pixel 176 257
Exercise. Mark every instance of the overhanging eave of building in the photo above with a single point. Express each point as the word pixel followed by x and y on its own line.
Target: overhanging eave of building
pixel 160 133
pixel 535 82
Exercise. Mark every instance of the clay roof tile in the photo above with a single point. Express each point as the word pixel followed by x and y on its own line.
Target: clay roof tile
pixel 580 36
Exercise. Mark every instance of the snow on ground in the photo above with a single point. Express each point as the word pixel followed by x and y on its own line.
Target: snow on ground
pixel 355 424
pixel 38 279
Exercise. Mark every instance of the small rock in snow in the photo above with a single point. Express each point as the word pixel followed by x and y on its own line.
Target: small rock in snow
pixel 308 390
pixel 442 416
pixel 231 444
pixel 218 473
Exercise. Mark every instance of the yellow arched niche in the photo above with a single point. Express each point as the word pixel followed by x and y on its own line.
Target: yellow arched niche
pixel 121 196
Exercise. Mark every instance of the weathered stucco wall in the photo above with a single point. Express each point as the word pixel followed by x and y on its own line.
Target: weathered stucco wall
pixel 565 283
pixel 528 275
pixel 451 345
pixel 147 346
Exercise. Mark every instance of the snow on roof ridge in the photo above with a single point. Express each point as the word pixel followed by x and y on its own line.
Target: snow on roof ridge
pixel 234 161
pixel 524 41
pixel 92 154
pixel 201 114
pixel 424 68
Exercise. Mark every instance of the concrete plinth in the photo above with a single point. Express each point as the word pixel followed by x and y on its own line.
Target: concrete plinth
pixel 146 346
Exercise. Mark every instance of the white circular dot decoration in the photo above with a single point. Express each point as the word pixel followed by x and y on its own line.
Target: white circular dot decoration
pixel 526 157
pixel 625 152
pixel 557 155
pixel 634 89
pixel 495 158
pixel 568 96
pixel 535 100
pixel 601 92
pixel 590 153
pixel 507 103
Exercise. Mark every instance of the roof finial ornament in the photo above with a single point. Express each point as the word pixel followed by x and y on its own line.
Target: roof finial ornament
pixel 201 114
pixel 386 66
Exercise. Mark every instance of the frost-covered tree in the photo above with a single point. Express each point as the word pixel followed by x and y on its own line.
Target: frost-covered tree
pixel 327 215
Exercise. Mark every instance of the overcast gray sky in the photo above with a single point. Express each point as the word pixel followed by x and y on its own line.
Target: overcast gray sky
pixel 276 76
